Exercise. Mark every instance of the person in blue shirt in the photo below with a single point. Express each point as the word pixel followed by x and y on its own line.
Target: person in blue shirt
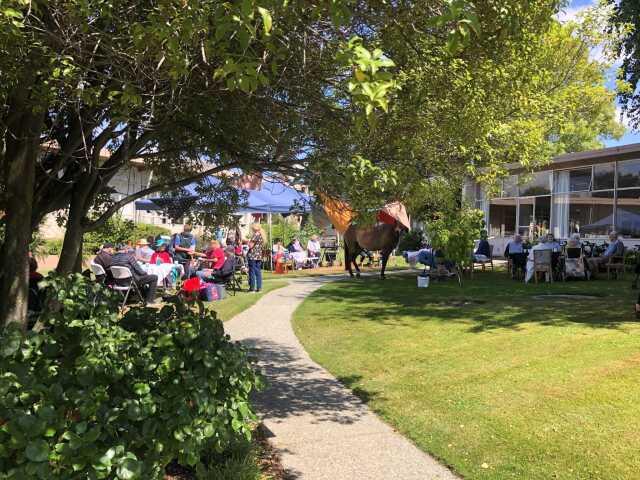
pixel 615 249
pixel 483 252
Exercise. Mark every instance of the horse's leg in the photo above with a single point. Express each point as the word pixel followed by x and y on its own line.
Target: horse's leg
pixel 385 258
pixel 347 260
pixel 355 263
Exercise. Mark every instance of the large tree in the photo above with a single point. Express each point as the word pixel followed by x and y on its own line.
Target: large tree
pixel 506 96
pixel 194 88
pixel 625 23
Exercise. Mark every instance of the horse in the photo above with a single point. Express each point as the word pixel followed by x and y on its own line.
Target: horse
pixel 383 237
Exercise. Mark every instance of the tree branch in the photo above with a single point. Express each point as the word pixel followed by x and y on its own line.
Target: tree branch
pixel 166 186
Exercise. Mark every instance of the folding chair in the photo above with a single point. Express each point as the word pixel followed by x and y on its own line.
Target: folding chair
pixel 124 283
pixel 99 272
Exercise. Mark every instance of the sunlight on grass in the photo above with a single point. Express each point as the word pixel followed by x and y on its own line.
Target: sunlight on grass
pixel 234 304
pixel 531 388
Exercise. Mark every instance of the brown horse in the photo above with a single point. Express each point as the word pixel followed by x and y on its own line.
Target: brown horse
pixel 383 237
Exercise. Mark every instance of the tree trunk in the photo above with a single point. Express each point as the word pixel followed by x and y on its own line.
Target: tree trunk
pixel 71 254
pixel 21 154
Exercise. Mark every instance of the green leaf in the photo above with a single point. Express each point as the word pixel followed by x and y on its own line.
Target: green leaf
pixel 267 21
pixel 37 451
pixel 141 389
pixel 12 13
pixel 129 469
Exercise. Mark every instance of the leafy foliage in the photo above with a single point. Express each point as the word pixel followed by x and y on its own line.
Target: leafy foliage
pixel 625 24
pixel 118 229
pixel 411 241
pixel 92 396
pixel 455 233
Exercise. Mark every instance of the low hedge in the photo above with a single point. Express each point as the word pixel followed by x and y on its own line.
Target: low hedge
pixel 96 396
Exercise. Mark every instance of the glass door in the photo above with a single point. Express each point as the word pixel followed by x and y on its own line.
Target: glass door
pixel 526 220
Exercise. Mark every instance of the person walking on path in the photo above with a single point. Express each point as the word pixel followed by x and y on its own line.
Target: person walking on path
pixel 256 245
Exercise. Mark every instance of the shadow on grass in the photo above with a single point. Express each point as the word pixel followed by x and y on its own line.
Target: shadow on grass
pixel 297 388
pixel 488 302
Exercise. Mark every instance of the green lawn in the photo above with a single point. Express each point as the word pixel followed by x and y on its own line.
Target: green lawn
pixel 234 304
pixel 494 382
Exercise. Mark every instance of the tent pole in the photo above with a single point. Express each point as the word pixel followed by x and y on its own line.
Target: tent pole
pixel 270 240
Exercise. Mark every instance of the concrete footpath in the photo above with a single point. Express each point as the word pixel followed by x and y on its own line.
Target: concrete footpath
pixel 321 430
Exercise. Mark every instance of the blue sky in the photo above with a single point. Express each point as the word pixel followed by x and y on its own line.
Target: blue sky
pixel 574 7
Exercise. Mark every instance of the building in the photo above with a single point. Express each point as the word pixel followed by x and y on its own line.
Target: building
pixel 128 180
pixel 590 193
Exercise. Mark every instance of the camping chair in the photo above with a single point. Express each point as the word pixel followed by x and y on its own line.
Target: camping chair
pixel 233 281
pixel 124 283
pixel 482 263
pixel 542 263
pixel 573 264
pixel 616 264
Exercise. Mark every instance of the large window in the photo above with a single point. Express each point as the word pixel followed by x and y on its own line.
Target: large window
pixel 591 200
pixel 591 214
pixel 537 184
pixel 628 213
pixel 629 174
pixel 525 218
pixel 502 217
pixel 604 176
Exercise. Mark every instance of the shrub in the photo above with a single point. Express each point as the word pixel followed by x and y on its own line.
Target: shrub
pixel 411 241
pixel 117 229
pixel 455 233
pixel 93 396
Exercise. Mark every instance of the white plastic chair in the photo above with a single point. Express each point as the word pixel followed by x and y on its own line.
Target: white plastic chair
pixel 124 283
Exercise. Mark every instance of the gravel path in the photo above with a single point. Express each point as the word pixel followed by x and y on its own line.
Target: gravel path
pixel 321 430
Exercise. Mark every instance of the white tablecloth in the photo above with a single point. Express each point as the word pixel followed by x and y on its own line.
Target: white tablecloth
pixel 162 271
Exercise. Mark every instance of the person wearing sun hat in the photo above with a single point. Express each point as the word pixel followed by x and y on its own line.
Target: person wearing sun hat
pixel 143 251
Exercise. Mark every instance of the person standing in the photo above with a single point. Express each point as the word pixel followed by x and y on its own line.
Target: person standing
pixel 256 245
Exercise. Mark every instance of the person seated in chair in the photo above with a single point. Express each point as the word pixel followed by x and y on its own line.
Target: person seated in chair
pixel 515 252
pixel 143 251
pixel 297 253
pixel 551 243
pixel 220 275
pixel 214 256
pixel 483 252
pixel 146 283
pixel 574 241
pixel 615 249
pixel 104 258
pixel 313 249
